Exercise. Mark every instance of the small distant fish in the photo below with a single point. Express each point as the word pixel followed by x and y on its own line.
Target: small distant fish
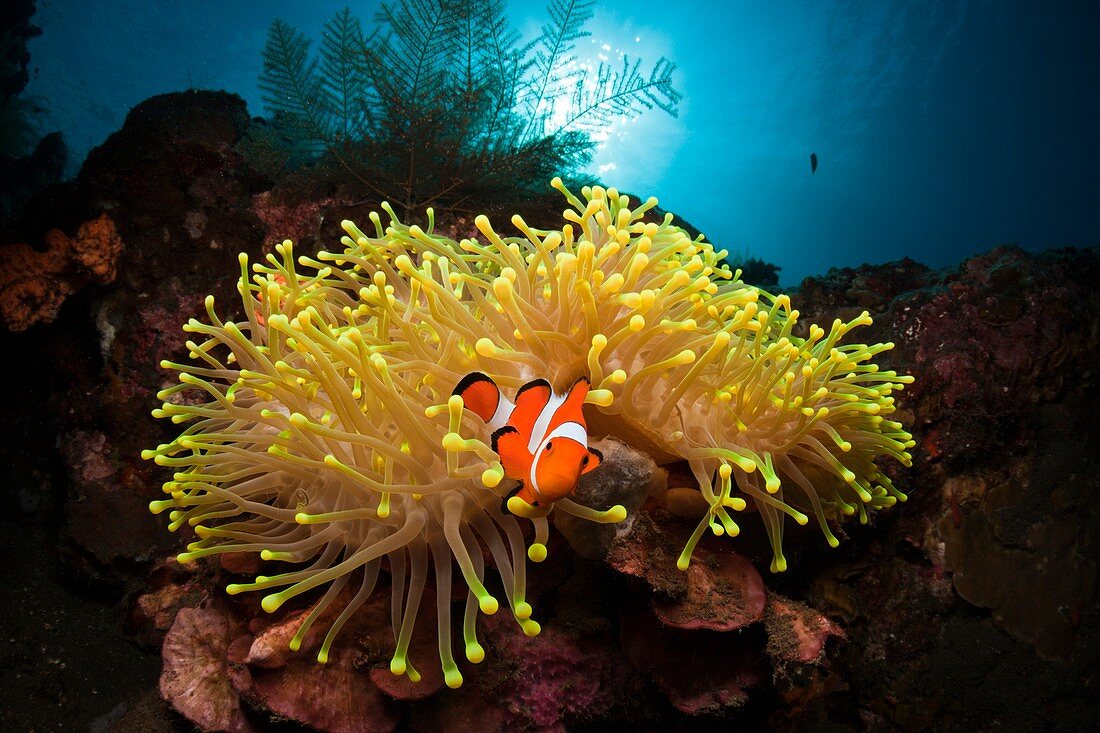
pixel 813 163
pixel 542 439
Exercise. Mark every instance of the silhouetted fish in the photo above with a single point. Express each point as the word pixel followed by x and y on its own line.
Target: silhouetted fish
pixel 813 163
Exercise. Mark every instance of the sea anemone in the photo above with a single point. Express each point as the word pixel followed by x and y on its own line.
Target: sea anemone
pixel 322 430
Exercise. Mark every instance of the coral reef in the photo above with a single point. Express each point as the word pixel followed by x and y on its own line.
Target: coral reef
pixel 33 284
pixel 1004 349
pixel 170 167
pixel 970 607
pixel 298 221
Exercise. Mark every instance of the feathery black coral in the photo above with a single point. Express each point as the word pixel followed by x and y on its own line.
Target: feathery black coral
pixel 442 105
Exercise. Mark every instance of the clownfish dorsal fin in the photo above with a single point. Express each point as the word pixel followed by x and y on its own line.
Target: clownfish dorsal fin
pixel 574 399
pixel 510 445
pixel 530 400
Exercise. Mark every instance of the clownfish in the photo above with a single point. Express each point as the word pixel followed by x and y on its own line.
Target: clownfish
pixel 260 297
pixel 541 438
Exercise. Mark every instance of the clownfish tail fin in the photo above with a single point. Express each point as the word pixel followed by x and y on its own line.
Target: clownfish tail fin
pixel 479 393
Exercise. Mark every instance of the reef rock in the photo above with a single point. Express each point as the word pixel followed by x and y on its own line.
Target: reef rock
pixel 626 476
pixel 724 592
pixel 336 697
pixel 973 606
pixel 34 284
pixel 102 495
pixel 796 632
pixel 180 197
pixel 719 591
pixel 700 672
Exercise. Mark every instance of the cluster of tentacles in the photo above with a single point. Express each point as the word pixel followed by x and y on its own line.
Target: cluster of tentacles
pixel 322 432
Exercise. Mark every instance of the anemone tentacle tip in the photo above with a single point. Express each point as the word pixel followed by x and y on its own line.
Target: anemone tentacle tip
pixel 536 552
pixel 475 653
pixel 488 605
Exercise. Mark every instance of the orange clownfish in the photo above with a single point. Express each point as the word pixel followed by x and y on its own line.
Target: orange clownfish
pixel 541 439
pixel 260 297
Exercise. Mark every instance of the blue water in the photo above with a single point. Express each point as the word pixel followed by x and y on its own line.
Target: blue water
pixel 942 128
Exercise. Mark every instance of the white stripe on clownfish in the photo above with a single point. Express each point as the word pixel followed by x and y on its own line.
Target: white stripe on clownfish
pixel 569 430
pixel 503 412
pixel 538 432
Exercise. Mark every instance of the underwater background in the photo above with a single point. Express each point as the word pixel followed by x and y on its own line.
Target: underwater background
pixel 932 166
pixel 942 129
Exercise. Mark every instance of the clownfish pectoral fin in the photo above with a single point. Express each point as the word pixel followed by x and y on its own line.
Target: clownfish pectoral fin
pixel 479 393
pixel 530 399
pixel 592 461
pixel 523 492
pixel 527 494
pixel 508 443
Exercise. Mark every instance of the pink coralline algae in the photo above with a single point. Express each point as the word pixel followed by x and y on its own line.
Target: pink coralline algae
pixel 224 677
pixel 336 697
pixel 546 680
pixel 297 221
pixel 796 632
pixel 195 681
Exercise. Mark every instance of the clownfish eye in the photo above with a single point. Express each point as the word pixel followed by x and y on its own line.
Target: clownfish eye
pixel 584 461
pixel 549 445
